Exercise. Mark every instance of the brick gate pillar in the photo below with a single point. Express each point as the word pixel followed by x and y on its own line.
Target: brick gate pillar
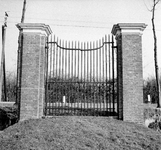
pixel 129 70
pixel 34 38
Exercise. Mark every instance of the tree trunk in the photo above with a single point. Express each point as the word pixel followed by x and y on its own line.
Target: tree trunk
pixel 155 55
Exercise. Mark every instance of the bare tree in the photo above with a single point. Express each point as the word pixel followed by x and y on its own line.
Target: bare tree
pixel 155 2
pixel 153 9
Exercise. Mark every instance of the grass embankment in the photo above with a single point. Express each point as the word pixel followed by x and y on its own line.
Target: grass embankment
pixel 83 133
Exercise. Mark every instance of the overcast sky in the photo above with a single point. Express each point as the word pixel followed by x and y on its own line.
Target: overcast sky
pixel 81 20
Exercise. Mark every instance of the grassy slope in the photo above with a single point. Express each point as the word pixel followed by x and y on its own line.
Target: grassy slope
pixel 59 133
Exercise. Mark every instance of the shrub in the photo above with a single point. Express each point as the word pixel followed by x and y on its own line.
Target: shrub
pixel 10 87
pixel 149 88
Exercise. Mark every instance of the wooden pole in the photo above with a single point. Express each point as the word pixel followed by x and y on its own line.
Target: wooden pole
pixel 2 68
pixel 19 61
pixel 1 71
pixel 23 11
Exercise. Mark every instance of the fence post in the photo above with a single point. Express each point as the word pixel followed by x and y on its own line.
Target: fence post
pixel 34 36
pixel 129 70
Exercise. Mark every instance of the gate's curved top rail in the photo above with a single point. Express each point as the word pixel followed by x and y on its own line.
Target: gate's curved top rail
pixel 78 49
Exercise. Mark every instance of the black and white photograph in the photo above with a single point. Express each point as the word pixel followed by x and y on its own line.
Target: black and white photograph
pixel 80 75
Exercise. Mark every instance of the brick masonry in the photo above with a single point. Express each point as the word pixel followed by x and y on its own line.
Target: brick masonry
pixel 132 78
pixel 129 69
pixel 33 70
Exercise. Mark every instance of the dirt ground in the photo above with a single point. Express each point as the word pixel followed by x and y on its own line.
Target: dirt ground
pixel 78 133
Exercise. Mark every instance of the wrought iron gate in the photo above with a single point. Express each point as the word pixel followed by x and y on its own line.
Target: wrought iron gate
pixel 81 78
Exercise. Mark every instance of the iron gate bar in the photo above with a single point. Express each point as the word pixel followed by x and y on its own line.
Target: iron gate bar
pixel 113 76
pixel 59 105
pixel 54 72
pixel 72 70
pixel 90 74
pixel 99 66
pixel 93 79
pixel 75 76
pixel 61 78
pixel 84 75
pixel 57 75
pixel 97 74
pixel 103 77
pixel 67 71
pixel 62 75
pixel 109 75
pixel 106 73
pixel 81 75
pixel 50 105
pixel 72 74
pixel 100 69
pixel 78 75
pixel 87 75
pixel 49 70
pixel 61 64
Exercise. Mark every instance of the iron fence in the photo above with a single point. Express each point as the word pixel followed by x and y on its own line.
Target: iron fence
pixel 81 78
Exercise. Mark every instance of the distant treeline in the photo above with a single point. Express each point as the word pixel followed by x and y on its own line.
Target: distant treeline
pixel 78 90
pixel 149 88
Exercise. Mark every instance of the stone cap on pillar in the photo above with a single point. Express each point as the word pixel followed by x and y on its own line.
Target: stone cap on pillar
pixel 34 27
pixel 128 28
